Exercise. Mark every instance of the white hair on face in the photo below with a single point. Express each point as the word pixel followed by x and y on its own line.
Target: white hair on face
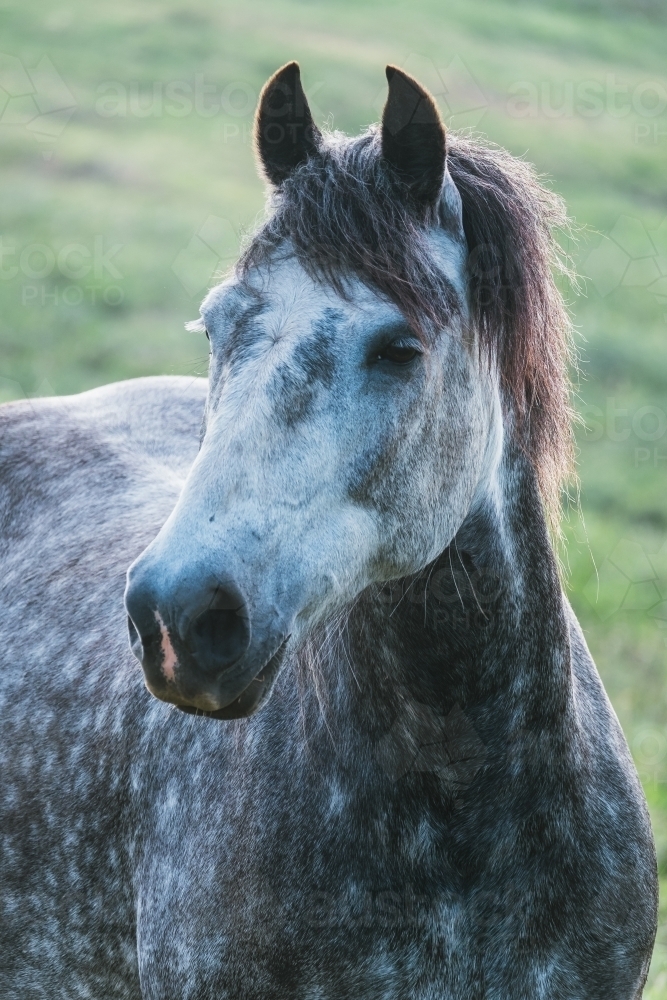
pixel 196 326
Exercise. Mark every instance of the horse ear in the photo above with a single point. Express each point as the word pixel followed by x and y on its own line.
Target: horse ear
pixel 413 137
pixel 285 133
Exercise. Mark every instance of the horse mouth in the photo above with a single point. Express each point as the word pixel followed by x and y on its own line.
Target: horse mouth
pixel 253 697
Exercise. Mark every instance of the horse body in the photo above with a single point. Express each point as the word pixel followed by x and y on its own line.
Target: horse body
pixel 420 789
pixel 310 850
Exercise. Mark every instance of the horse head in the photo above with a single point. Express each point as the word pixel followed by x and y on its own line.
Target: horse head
pixel 352 420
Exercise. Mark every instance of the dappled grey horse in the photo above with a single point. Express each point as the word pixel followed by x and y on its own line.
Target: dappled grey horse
pixel 421 790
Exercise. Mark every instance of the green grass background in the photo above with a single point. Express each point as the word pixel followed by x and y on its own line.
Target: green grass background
pixel 146 182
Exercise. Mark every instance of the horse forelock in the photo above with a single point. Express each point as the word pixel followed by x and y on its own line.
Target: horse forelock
pixel 343 213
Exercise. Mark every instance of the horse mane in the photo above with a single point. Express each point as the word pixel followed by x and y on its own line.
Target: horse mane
pixel 342 212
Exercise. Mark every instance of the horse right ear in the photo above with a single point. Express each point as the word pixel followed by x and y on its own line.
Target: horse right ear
pixel 285 133
pixel 413 137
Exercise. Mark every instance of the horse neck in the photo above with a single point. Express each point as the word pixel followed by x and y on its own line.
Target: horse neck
pixel 483 629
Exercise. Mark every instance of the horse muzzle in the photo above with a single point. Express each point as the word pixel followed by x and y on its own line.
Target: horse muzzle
pixel 196 645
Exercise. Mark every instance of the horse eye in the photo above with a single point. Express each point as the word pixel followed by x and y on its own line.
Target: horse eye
pixel 398 354
pixel 207 335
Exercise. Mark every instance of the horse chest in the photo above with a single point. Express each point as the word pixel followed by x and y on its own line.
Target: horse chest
pixel 324 896
pixel 272 881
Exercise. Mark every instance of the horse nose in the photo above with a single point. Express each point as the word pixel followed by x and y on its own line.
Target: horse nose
pixel 189 638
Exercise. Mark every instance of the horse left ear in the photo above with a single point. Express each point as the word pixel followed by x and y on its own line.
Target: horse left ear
pixel 285 133
pixel 413 137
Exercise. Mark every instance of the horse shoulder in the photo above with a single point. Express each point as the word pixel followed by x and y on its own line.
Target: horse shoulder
pixel 85 483
pixel 95 442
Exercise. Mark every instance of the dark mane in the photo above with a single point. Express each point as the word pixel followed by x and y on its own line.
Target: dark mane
pixel 343 212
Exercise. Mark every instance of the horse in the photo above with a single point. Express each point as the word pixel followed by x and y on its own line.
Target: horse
pixel 365 751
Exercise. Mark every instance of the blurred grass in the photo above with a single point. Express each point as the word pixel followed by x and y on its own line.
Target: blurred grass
pixel 145 181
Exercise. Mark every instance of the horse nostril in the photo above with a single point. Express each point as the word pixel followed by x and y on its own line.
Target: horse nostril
pixel 218 638
pixel 191 637
pixel 136 644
